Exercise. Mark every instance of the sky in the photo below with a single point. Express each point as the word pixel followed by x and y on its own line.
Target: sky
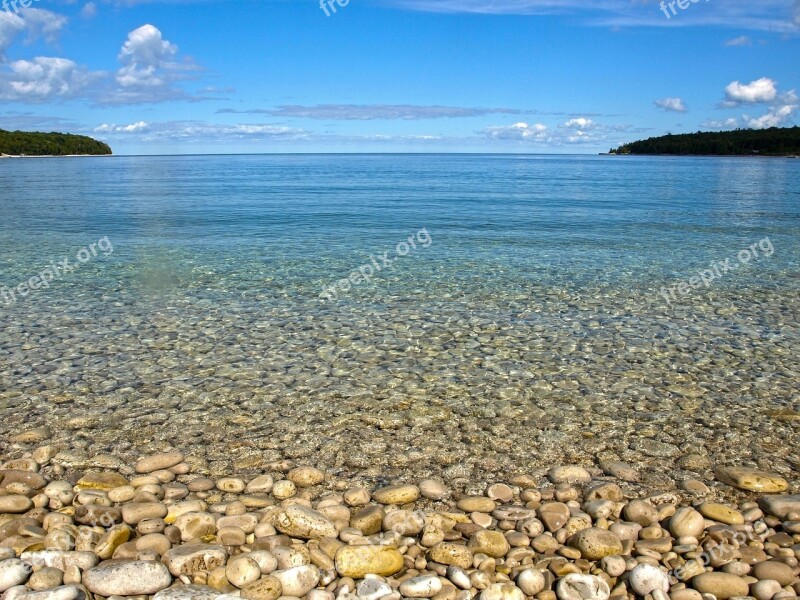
pixel 523 76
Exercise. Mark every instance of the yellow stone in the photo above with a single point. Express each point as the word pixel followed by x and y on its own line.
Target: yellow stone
pixel 101 481
pixel 752 480
pixel 721 513
pixel 359 561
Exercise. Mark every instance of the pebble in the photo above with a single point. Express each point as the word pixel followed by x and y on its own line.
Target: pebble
pixel 188 592
pixel 569 474
pixel 396 494
pixel 721 513
pixel 491 543
pixel 298 581
pixel 502 591
pixel 13 572
pixel 595 543
pixel 372 589
pixel 157 462
pixel 266 588
pixel 576 586
pixel 127 578
pixel 777 571
pixel 752 480
pixel 644 579
pixel 448 553
pixel 531 581
pixel 424 586
pixel 722 585
pixel 358 561
pixel 305 523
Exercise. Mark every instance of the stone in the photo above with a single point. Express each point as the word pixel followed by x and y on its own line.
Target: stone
pixel 358 561
pixel 127 578
pixel 490 543
pixel 620 470
pixel 298 581
pixel 554 515
pixel 196 526
pixel 187 592
pixel 63 592
pixel 266 588
pixel 61 559
pixel 45 579
pixel 614 566
pixel 780 506
pixel 192 558
pixel 448 553
pixel 433 489
pixel 640 511
pixel 722 585
pixel 644 579
pixel 404 522
pixel 459 577
pixel 158 462
pixel 396 494
pixel 577 586
pixel 134 513
pixel 721 513
pixel 765 590
pixel 13 572
pixel 531 581
pixel 242 571
pixel 15 504
pixel 595 543
pixel 372 589
pixel 686 522
pixel 480 504
pixel 752 480
pixel 423 586
pixel 369 520
pixel 304 477
pixel 772 569
pixel 304 523
pixel 101 481
pixel 569 474
pixel 502 591
pixel 111 540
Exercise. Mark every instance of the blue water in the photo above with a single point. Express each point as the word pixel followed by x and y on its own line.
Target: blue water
pixel 537 283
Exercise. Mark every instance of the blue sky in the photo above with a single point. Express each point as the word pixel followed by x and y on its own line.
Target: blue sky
pixel 563 76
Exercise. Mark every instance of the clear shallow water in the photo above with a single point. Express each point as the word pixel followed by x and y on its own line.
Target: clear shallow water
pixel 531 329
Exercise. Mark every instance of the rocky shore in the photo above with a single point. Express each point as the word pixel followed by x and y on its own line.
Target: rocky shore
pixel 161 528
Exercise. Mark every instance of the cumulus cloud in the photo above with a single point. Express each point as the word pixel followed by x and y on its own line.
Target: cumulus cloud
pixel 132 128
pixel 142 55
pixel 781 107
pixel 671 105
pixel 758 91
pixel 89 10
pixel 730 123
pixel 518 131
pixel 43 79
pixel 369 112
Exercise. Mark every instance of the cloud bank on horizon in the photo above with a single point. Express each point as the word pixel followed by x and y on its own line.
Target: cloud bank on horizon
pixel 411 75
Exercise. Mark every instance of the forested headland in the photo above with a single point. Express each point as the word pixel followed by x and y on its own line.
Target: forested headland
pixel 27 143
pixel 776 141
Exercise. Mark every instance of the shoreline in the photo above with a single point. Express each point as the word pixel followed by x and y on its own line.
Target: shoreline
pixel 53 155
pixel 162 527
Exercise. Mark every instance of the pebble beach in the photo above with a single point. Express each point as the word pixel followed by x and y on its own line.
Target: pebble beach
pixel 162 528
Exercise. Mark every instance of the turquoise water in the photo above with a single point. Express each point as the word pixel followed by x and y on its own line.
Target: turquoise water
pixel 532 309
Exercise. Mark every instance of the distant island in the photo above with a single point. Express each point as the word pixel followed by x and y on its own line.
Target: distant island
pixel 777 141
pixel 27 143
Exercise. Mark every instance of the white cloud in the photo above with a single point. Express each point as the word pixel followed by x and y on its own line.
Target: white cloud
pixel 755 92
pixel 580 123
pixel 777 116
pixel 369 112
pixel 132 128
pixel 44 79
pixel 10 26
pixel 742 40
pixel 142 55
pixel 519 131
pixel 716 124
pixel 671 105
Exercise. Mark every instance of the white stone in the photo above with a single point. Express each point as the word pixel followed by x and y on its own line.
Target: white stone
pixel 64 592
pixel 372 589
pixel 644 578
pixel 242 570
pixel 188 592
pixel 61 559
pixel 531 581
pixel 502 591
pixel 13 572
pixel 127 578
pixel 577 586
pixel 298 581
pixel 424 586
pixel 459 577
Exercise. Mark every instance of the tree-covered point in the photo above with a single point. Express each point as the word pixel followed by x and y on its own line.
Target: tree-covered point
pixel 26 143
pixel 776 141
